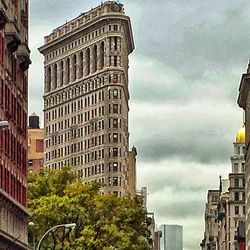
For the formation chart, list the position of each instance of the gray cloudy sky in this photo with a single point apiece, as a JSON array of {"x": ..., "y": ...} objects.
[{"x": 184, "y": 78}]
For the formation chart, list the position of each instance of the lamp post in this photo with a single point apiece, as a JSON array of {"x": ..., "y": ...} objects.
[
  {"x": 31, "y": 235},
  {"x": 70, "y": 225}
]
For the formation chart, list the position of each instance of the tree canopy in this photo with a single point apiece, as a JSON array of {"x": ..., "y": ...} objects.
[{"x": 103, "y": 222}]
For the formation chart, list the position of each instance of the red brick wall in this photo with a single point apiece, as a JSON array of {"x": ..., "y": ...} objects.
[{"x": 13, "y": 142}]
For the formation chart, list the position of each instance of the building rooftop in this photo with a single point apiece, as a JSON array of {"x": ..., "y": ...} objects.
[{"x": 106, "y": 8}]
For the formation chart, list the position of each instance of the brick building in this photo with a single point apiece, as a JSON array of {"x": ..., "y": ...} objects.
[
  {"x": 35, "y": 144},
  {"x": 14, "y": 63},
  {"x": 86, "y": 96}
]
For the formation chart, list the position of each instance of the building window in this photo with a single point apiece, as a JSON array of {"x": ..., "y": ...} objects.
[
  {"x": 67, "y": 70},
  {"x": 243, "y": 182},
  {"x": 115, "y": 61},
  {"x": 243, "y": 167},
  {"x": 81, "y": 64},
  {"x": 236, "y": 168},
  {"x": 115, "y": 152},
  {"x": 55, "y": 76},
  {"x": 30, "y": 163},
  {"x": 236, "y": 210},
  {"x": 95, "y": 58},
  {"x": 102, "y": 55},
  {"x": 115, "y": 108},
  {"x": 236, "y": 196},
  {"x": 49, "y": 79},
  {"x": 243, "y": 196},
  {"x": 61, "y": 73},
  {"x": 236, "y": 183},
  {"x": 115, "y": 181},
  {"x": 115, "y": 78},
  {"x": 115, "y": 42},
  {"x": 115, "y": 123},
  {"x": 115, "y": 137},
  {"x": 115, "y": 94},
  {"x": 87, "y": 60},
  {"x": 115, "y": 166},
  {"x": 74, "y": 66}
]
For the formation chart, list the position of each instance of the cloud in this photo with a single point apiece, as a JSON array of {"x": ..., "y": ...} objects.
[
  {"x": 177, "y": 193},
  {"x": 193, "y": 37},
  {"x": 184, "y": 78}
]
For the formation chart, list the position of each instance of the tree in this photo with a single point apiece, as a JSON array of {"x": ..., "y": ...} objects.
[{"x": 104, "y": 222}]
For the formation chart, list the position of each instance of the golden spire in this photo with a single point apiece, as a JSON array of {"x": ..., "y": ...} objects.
[{"x": 240, "y": 137}]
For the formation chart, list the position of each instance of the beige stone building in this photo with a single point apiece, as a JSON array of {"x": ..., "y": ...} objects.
[
  {"x": 35, "y": 145},
  {"x": 236, "y": 202},
  {"x": 209, "y": 241},
  {"x": 228, "y": 215},
  {"x": 132, "y": 171},
  {"x": 244, "y": 102},
  {"x": 86, "y": 96}
]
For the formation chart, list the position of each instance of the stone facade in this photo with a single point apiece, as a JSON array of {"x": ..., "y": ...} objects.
[
  {"x": 209, "y": 241},
  {"x": 14, "y": 63},
  {"x": 86, "y": 96},
  {"x": 236, "y": 202},
  {"x": 227, "y": 213},
  {"x": 132, "y": 171},
  {"x": 244, "y": 102}
]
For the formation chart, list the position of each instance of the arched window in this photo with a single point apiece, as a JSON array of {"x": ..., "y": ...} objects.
[
  {"x": 102, "y": 55},
  {"x": 87, "y": 61},
  {"x": 81, "y": 64},
  {"x": 48, "y": 79},
  {"x": 95, "y": 58},
  {"x": 55, "y": 76},
  {"x": 67, "y": 70},
  {"x": 74, "y": 68},
  {"x": 61, "y": 73}
]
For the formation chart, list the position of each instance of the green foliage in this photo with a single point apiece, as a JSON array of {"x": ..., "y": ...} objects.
[{"x": 104, "y": 222}]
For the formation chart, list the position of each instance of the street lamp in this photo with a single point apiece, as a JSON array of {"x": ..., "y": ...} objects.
[
  {"x": 31, "y": 235},
  {"x": 4, "y": 124},
  {"x": 70, "y": 225}
]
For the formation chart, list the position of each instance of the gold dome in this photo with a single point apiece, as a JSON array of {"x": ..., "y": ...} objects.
[{"x": 240, "y": 137}]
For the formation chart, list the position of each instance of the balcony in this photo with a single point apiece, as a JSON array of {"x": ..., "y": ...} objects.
[
  {"x": 23, "y": 55},
  {"x": 12, "y": 37},
  {"x": 3, "y": 17}
]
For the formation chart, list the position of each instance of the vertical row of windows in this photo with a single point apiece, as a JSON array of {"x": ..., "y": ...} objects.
[
  {"x": 13, "y": 109},
  {"x": 12, "y": 148},
  {"x": 11, "y": 185},
  {"x": 1, "y": 48}
]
